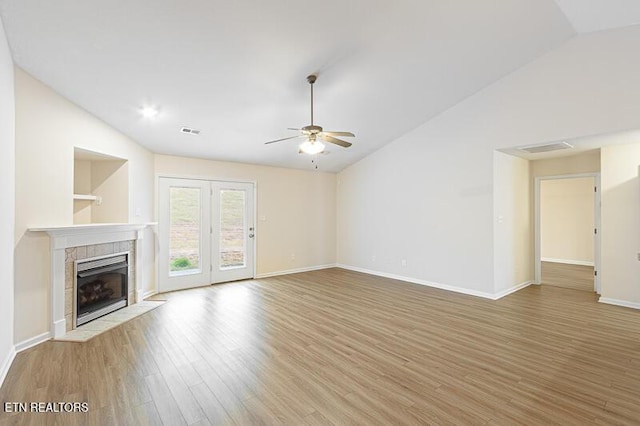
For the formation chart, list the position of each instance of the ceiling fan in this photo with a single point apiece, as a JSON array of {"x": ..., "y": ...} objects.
[{"x": 315, "y": 134}]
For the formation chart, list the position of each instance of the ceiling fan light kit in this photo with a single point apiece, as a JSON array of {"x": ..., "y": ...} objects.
[
  {"x": 311, "y": 147},
  {"x": 312, "y": 133}
]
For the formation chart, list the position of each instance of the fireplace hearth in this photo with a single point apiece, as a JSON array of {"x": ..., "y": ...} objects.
[{"x": 101, "y": 287}]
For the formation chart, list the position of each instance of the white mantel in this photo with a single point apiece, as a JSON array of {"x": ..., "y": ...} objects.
[{"x": 63, "y": 237}]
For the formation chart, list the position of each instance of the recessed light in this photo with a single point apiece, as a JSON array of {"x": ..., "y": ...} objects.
[{"x": 149, "y": 111}]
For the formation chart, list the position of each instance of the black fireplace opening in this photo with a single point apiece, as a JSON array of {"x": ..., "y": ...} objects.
[{"x": 101, "y": 287}]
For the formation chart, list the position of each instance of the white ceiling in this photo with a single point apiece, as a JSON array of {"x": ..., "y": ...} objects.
[
  {"x": 236, "y": 69},
  {"x": 596, "y": 15}
]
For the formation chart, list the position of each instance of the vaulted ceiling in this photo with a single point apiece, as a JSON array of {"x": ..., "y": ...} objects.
[{"x": 236, "y": 69}]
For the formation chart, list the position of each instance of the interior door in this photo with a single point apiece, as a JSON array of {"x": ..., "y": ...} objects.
[{"x": 206, "y": 232}]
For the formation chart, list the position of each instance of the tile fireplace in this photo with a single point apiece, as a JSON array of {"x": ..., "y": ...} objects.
[{"x": 74, "y": 246}]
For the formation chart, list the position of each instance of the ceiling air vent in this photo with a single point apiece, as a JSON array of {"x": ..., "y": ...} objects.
[
  {"x": 190, "y": 131},
  {"x": 536, "y": 149}
]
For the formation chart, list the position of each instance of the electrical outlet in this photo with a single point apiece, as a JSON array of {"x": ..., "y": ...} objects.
[
  {"x": 293, "y": 257},
  {"x": 373, "y": 258},
  {"x": 404, "y": 262}
]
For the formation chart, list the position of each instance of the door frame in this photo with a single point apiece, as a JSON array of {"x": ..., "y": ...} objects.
[
  {"x": 597, "y": 202},
  {"x": 207, "y": 178}
]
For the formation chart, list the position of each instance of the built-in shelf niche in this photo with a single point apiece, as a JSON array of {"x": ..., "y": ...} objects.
[{"x": 100, "y": 188}]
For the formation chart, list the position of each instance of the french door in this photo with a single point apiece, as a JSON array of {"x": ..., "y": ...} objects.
[{"x": 206, "y": 232}]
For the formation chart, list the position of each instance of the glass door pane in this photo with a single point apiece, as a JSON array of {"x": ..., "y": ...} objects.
[
  {"x": 232, "y": 229},
  {"x": 232, "y": 243},
  {"x": 184, "y": 233},
  {"x": 185, "y": 229}
]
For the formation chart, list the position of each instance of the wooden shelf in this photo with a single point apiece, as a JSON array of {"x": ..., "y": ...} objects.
[{"x": 85, "y": 197}]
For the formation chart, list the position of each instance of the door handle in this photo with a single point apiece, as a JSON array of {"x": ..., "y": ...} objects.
[{"x": 251, "y": 235}]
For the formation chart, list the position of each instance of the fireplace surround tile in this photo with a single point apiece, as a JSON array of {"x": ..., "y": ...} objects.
[
  {"x": 104, "y": 249},
  {"x": 68, "y": 275},
  {"x": 68, "y": 300},
  {"x": 69, "y": 322},
  {"x": 70, "y": 254}
]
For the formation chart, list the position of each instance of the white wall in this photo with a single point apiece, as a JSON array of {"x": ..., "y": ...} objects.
[
  {"x": 428, "y": 196},
  {"x": 512, "y": 236},
  {"x": 620, "y": 271},
  {"x": 567, "y": 220},
  {"x": 7, "y": 187},
  {"x": 299, "y": 207},
  {"x": 48, "y": 127}
]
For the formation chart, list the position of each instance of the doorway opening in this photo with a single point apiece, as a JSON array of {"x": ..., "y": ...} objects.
[{"x": 567, "y": 225}]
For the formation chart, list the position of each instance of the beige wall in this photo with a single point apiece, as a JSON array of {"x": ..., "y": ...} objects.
[
  {"x": 48, "y": 127},
  {"x": 512, "y": 226},
  {"x": 7, "y": 187},
  {"x": 567, "y": 220},
  {"x": 620, "y": 269},
  {"x": 110, "y": 182},
  {"x": 299, "y": 208},
  {"x": 82, "y": 177},
  {"x": 82, "y": 186},
  {"x": 586, "y": 162}
]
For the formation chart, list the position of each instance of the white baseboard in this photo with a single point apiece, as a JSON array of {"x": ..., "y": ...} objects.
[
  {"x": 421, "y": 282},
  {"x": 6, "y": 365},
  {"x": 568, "y": 261},
  {"x": 617, "y": 302},
  {"x": 29, "y": 343},
  {"x": 508, "y": 291},
  {"x": 296, "y": 271},
  {"x": 149, "y": 294}
]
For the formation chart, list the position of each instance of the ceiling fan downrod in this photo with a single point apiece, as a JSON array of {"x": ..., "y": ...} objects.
[{"x": 312, "y": 79}]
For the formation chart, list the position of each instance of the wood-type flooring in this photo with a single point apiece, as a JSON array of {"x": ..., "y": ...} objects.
[
  {"x": 576, "y": 277},
  {"x": 341, "y": 347}
]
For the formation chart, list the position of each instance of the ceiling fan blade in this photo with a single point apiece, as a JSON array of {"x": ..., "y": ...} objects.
[
  {"x": 283, "y": 139},
  {"x": 349, "y": 134},
  {"x": 333, "y": 140},
  {"x": 291, "y": 128}
]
